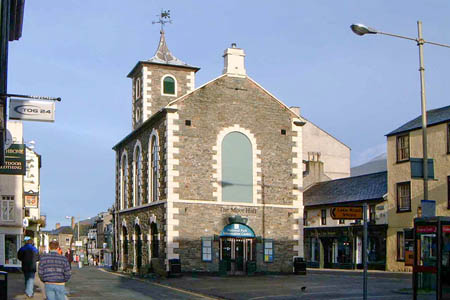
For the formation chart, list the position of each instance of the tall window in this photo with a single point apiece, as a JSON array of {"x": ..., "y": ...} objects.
[
  {"x": 403, "y": 196},
  {"x": 8, "y": 208},
  {"x": 237, "y": 168},
  {"x": 448, "y": 192},
  {"x": 403, "y": 147},
  {"x": 155, "y": 240},
  {"x": 372, "y": 213},
  {"x": 400, "y": 246},
  {"x": 448, "y": 138},
  {"x": 169, "y": 85},
  {"x": 323, "y": 217},
  {"x": 138, "y": 176},
  {"x": 154, "y": 169},
  {"x": 305, "y": 218},
  {"x": 137, "y": 88},
  {"x": 207, "y": 248},
  {"x": 124, "y": 180},
  {"x": 268, "y": 250}
]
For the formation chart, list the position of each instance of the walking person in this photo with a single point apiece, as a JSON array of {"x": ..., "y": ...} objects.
[
  {"x": 54, "y": 271},
  {"x": 28, "y": 255},
  {"x": 69, "y": 257}
]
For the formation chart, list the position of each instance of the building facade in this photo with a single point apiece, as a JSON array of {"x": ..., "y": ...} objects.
[
  {"x": 337, "y": 244},
  {"x": 11, "y": 197},
  {"x": 405, "y": 184},
  {"x": 211, "y": 176}
]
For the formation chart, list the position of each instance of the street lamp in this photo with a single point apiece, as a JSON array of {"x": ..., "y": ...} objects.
[{"x": 361, "y": 29}]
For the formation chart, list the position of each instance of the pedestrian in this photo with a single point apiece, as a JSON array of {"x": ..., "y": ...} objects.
[
  {"x": 54, "y": 271},
  {"x": 69, "y": 257},
  {"x": 59, "y": 250},
  {"x": 28, "y": 255}
]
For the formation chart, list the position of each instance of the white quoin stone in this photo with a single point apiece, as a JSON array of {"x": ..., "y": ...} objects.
[{"x": 234, "y": 61}]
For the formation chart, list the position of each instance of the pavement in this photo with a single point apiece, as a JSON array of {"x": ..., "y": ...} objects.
[
  {"x": 16, "y": 287},
  {"x": 91, "y": 283}
]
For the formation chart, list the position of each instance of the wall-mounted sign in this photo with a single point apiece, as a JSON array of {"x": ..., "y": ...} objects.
[
  {"x": 426, "y": 229},
  {"x": 237, "y": 230},
  {"x": 346, "y": 213},
  {"x": 14, "y": 160},
  {"x": 446, "y": 229},
  {"x": 32, "y": 110},
  {"x": 31, "y": 201}
]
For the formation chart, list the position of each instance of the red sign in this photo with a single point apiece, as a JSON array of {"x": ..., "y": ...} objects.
[
  {"x": 426, "y": 229},
  {"x": 446, "y": 229}
]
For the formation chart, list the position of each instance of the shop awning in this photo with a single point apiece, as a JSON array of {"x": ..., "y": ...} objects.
[{"x": 237, "y": 230}]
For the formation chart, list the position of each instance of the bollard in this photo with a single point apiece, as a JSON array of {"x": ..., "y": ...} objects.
[{"x": 3, "y": 285}]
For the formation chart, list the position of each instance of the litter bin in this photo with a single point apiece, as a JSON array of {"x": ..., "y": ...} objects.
[
  {"x": 174, "y": 267},
  {"x": 299, "y": 265},
  {"x": 3, "y": 285},
  {"x": 251, "y": 267}
]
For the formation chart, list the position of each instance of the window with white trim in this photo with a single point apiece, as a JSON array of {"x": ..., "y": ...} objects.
[
  {"x": 8, "y": 208},
  {"x": 138, "y": 176},
  {"x": 207, "y": 248},
  {"x": 137, "y": 88},
  {"x": 154, "y": 169},
  {"x": 124, "y": 190}
]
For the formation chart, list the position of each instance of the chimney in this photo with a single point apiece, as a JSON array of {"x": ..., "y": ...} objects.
[
  {"x": 57, "y": 225},
  {"x": 73, "y": 222},
  {"x": 234, "y": 61},
  {"x": 295, "y": 109}
]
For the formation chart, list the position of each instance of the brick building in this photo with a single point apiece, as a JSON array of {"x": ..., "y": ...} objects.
[{"x": 213, "y": 175}]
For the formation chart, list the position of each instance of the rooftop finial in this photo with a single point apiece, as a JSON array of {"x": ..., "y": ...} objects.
[{"x": 164, "y": 18}]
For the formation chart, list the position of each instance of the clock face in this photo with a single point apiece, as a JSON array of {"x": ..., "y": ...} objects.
[{"x": 9, "y": 139}]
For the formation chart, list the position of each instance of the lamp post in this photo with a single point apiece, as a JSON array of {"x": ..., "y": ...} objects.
[{"x": 361, "y": 29}]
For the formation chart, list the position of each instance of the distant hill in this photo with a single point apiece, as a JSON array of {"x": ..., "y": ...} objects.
[{"x": 377, "y": 164}]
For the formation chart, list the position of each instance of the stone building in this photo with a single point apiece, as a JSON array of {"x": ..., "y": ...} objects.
[
  {"x": 405, "y": 181},
  {"x": 211, "y": 176}
]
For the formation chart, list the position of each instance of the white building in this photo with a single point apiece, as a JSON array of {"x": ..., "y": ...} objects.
[{"x": 11, "y": 197}]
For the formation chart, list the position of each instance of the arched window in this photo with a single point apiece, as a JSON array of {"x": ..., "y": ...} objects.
[
  {"x": 138, "y": 176},
  {"x": 137, "y": 88},
  {"x": 169, "y": 86},
  {"x": 153, "y": 172},
  {"x": 124, "y": 182},
  {"x": 237, "y": 168},
  {"x": 155, "y": 240}
]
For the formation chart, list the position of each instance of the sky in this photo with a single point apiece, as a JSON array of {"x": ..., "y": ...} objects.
[{"x": 356, "y": 88}]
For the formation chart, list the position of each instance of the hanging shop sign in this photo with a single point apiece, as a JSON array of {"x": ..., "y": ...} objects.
[
  {"x": 446, "y": 229},
  {"x": 14, "y": 160},
  {"x": 43, "y": 111},
  {"x": 237, "y": 230},
  {"x": 347, "y": 213},
  {"x": 31, "y": 201}
]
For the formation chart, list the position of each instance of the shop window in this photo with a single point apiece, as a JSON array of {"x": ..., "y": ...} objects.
[
  {"x": 372, "y": 213},
  {"x": 169, "y": 85},
  {"x": 207, "y": 249},
  {"x": 154, "y": 169},
  {"x": 237, "y": 168},
  {"x": 403, "y": 196},
  {"x": 403, "y": 148},
  {"x": 315, "y": 250},
  {"x": 323, "y": 219},
  {"x": 400, "y": 246},
  {"x": 268, "y": 250},
  {"x": 8, "y": 208},
  {"x": 11, "y": 248}
]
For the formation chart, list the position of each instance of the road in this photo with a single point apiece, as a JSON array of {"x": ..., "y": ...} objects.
[{"x": 90, "y": 283}]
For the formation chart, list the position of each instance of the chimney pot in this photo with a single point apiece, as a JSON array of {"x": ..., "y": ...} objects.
[
  {"x": 57, "y": 225},
  {"x": 233, "y": 45}
]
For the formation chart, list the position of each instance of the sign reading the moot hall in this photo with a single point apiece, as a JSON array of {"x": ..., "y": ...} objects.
[
  {"x": 347, "y": 213},
  {"x": 43, "y": 111},
  {"x": 14, "y": 160}
]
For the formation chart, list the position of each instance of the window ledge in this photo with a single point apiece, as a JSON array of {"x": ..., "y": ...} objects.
[
  {"x": 401, "y": 260},
  {"x": 402, "y": 161},
  {"x": 403, "y": 211}
]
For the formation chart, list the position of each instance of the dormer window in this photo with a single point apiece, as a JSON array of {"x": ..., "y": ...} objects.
[{"x": 169, "y": 85}]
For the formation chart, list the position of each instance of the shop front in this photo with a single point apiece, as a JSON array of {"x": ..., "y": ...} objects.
[
  {"x": 341, "y": 247},
  {"x": 237, "y": 250}
]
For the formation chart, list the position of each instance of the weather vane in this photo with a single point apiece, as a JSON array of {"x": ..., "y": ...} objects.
[{"x": 164, "y": 18}]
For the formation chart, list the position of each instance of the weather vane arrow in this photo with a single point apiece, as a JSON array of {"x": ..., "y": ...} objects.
[{"x": 164, "y": 18}]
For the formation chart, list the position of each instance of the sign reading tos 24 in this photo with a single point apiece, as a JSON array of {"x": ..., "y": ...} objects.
[
  {"x": 347, "y": 212},
  {"x": 32, "y": 110}
]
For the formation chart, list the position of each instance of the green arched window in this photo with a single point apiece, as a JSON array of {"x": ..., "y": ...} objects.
[
  {"x": 237, "y": 168},
  {"x": 169, "y": 85}
]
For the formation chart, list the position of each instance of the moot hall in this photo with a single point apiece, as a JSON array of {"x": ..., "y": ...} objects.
[{"x": 214, "y": 175}]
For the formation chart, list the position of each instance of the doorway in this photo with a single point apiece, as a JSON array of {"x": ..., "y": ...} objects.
[{"x": 235, "y": 253}]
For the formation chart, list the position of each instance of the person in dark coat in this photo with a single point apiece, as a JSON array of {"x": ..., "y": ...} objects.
[{"x": 28, "y": 255}]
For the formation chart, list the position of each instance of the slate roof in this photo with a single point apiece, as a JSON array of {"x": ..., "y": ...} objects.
[
  {"x": 350, "y": 189},
  {"x": 434, "y": 117},
  {"x": 61, "y": 230}
]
